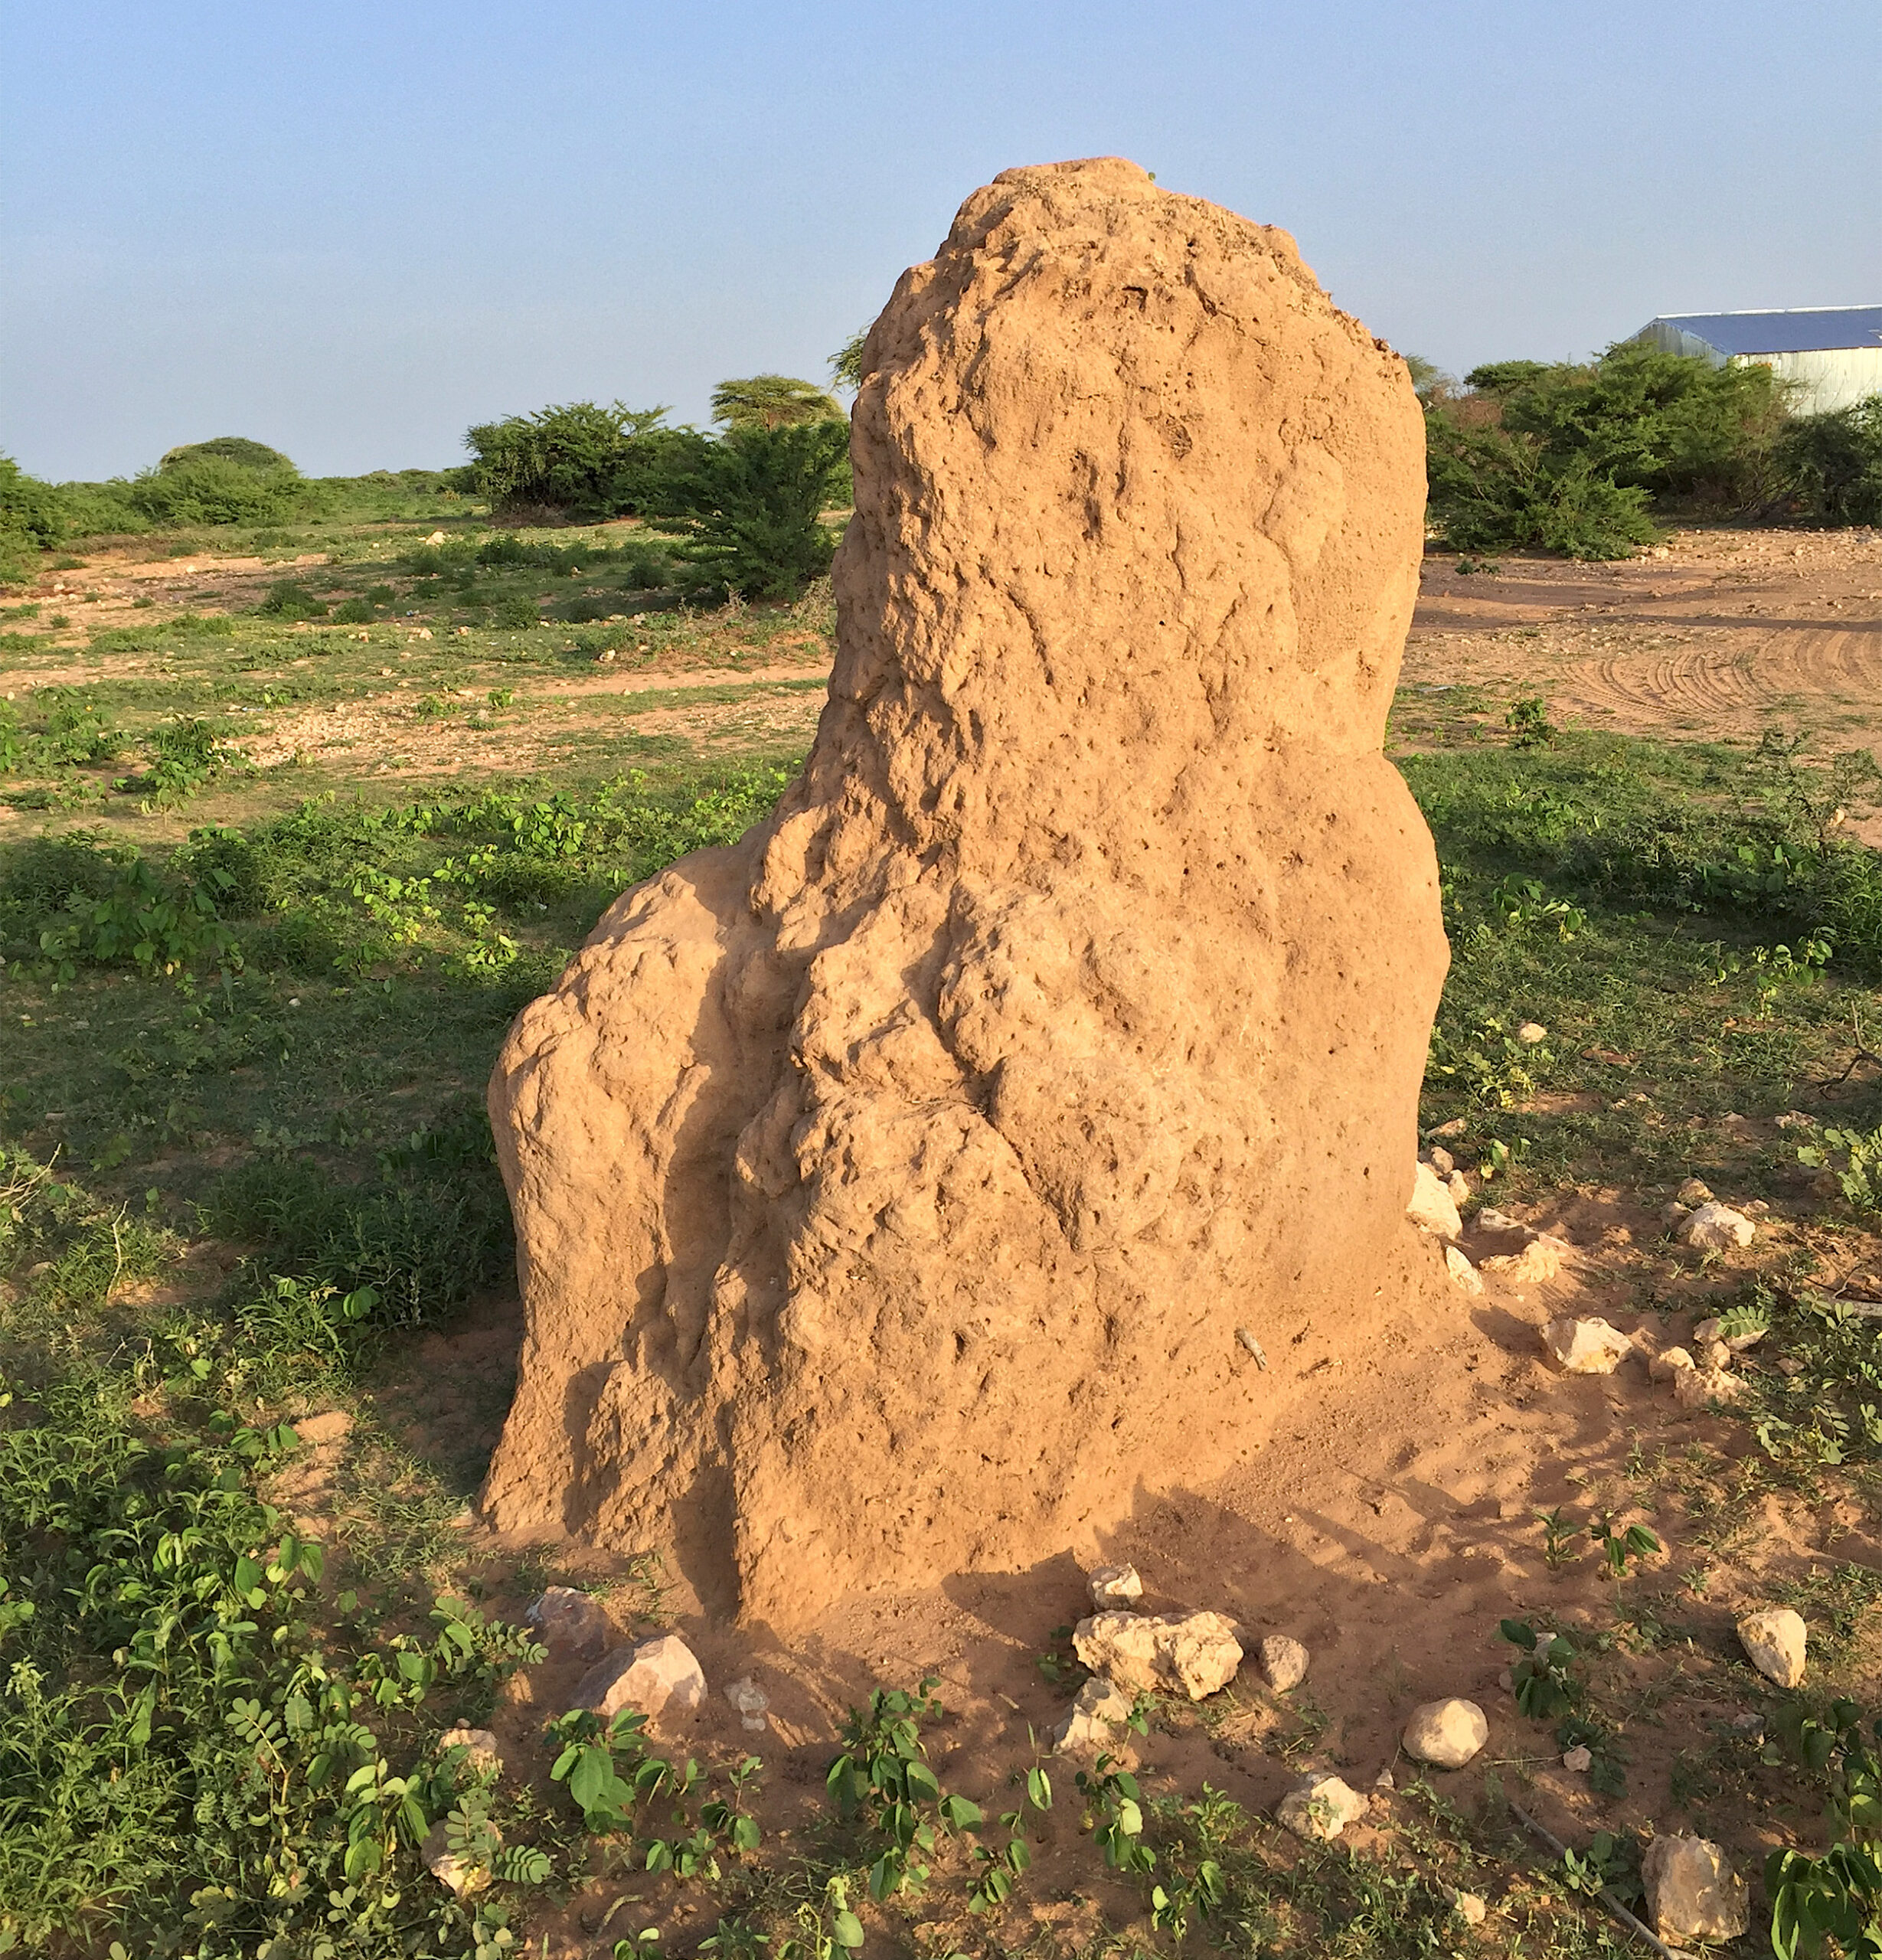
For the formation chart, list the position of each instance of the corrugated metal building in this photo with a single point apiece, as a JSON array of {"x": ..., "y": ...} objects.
[{"x": 1832, "y": 355}]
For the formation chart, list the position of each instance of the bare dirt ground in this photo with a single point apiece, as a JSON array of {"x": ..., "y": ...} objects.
[
  {"x": 1388, "y": 1520},
  {"x": 1726, "y": 632}
]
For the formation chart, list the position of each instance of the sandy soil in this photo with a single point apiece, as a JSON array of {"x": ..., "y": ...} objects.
[
  {"x": 1388, "y": 1521},
  {"x": 1729, "y": 630}
]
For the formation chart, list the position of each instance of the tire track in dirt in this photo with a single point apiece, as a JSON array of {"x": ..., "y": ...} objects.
[{"x": 1812, "y": 673}]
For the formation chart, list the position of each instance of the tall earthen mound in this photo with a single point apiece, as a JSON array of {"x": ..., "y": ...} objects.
[{"x": 890, "y": 1187}]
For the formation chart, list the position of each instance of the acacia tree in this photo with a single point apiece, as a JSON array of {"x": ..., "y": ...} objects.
[{"x": 772, "y": 401}]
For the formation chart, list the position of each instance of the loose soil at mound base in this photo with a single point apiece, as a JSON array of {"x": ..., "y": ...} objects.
[{"x": 1389, "y": 1522}]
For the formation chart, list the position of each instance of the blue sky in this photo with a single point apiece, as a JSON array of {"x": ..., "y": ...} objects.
[{"x": 351, "y": 230}]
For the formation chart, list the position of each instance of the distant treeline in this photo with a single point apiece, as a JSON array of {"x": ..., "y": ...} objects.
[
  {"x": 746, "y": 498},
  {"x": 1584, "y": 458}
]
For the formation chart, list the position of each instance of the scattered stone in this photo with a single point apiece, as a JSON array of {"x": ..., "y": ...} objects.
[
  {"x": 1538, "y": 1261},
  {"x": 1100, "y": 1710},
  {"x": 1712, "y": 1354},
  {"x": 1385, "y": 1780},
  {"x": 1774, "y": 1642},
  {"x": 1694, "y": 1388},
  {"x": 570, "y": 1624},
  {"x": 1458, "y": 1186},
  {"x": 1692, "y": 1891},
  {"x": 1441, "y": 1161},
  {"x": 1462, "y": 1272},
  {"x": 457, "y": 1875},
  {"x": 1114, "y": 1586},
  {"x": 1283, "y": 1662},
  {"x": 1430, "y": 1207},
  {"x": 1580, "y": 1759},
  {"x": 1716, "y": 1228},
  {"x": 481, "y": 1756},
  {"x": 1693, "y": 1194},
  {"x": 1587, "y": 1346},
  {"x": 1532, "y": 1034},
  {"x": 1455, "y": 1127},
  {"x": 1670, "y": 1362},
  {"x": 1470, "y": 1908},
  {"x": 1674, "y": 1215},
  {"x": 1446, "y": 1734},
  {"x": 1321, "y": 1808},
  {"x": 751, "y": 1701},
  {"x": 653, "y": 1676},
  {"x": 1196, "y": 1652},
  {"x": 1491, "y": 1219},
  {"x": 436, "y": 537},
  {"x": 1795, "y": 1119},
  {"x": 1714, "y": 1330}
]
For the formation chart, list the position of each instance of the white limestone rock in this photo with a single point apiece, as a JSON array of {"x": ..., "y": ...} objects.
[
  {"x": 1698, "y": 1388},
  {"x": 1446, "y": 1734},
  {"x": 1430, "y": 1207},
  {"x": 656, "y": 1677},
  {"x": 1114, "y": 1588},
  {"x": 1774, "y": 1642},
  {"x": 1588, "y": 1346},
  {"x": 1716, "y": 1228},
  {"x": 1097, "y": 1716},
  {"x": 482, "y": 1756},
  {"x": 455, "y": 1874},
  {"x": 1692, "y": 1891},
  {"x": 1539, "y": 1261},
  {"x": 1319, "y": 1809},
  {"x": 1464, "y": 1275},
  {"x": 1283, "y": 1662},
  {"x": 751, "y": 1701},
  {"x": 1197, "y": 1653}
]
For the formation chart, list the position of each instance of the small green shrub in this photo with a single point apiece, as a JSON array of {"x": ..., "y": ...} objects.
[
  {"x": 355, "y": 612},
  {"x": 289, "y": 599},
  {"x": 580, "y": 459},
  {"x": 1832, "y": 463},
  {"x": 31, "y": 512},
  {"x": 748, "y": 505},
  {"x": 427, "y": 1229},
  {"x": 1854, "y": 1159},
  {"x": 186, "y": 755},
  {"x": 237, "y": 449}
]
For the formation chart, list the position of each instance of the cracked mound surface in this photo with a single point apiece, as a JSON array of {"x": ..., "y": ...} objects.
[{"x": 889, "y": 1186}]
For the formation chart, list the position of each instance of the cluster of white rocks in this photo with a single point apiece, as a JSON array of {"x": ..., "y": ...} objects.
[
  {"x": 1506, "y": 1247},
  {"x": 1700, "y": 1375},
  {"x": 1692, "y": 1891}
]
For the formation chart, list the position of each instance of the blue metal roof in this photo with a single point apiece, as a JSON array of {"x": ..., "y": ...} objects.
[{"x": 1803, "y": 330}]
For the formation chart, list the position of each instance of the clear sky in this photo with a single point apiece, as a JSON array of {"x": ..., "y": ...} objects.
[{"x": 352, "y": 229}]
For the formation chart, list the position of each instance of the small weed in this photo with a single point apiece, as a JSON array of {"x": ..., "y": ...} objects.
[
  {"x": 1546, "y": 1682},
  {"x": 1528, "y": 722}
]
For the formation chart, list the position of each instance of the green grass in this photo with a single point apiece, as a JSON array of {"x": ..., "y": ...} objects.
[{"x": 247, "y": 1020}]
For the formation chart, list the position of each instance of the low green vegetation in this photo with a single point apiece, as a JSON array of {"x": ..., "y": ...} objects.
[
  {"x": 250, "y": 1007},
  {"x": 1582, "y": 458},
  {"x": 219, "y": 1731}
]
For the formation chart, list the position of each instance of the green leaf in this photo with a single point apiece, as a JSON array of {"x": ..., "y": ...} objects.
[{"x": 847, "y": 1930}]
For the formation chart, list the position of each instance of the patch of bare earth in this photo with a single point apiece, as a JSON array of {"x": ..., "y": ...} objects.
[{"x": 1728, "y": 632}]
